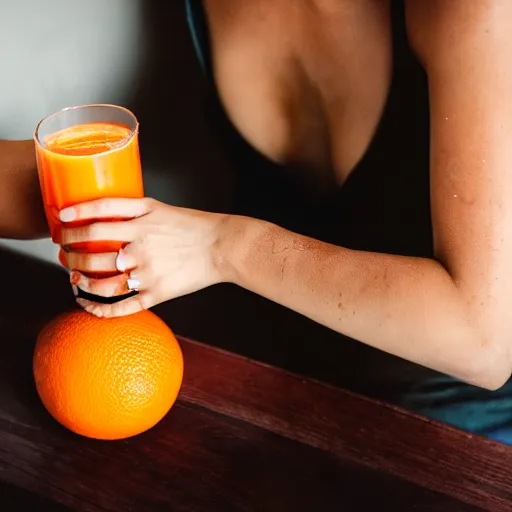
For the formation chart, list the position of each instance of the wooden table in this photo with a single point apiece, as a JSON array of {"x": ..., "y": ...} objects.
[{"x": 242, "y": 437}]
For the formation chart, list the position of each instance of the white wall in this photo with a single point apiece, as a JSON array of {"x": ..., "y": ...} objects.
[{"x": 60, "y": 53}]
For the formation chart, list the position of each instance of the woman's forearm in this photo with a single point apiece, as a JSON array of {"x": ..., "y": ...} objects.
[
  {"x": 21, "y": 207},
  {"x": 406, "y": 306}
]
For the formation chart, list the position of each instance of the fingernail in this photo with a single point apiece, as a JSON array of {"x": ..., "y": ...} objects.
[
  {"x": 74, "y": 287},
  {"x": 67, "y": 215},
  {"x": 74, "y": 277},
  {"x": 90, "y": 308},
  {"x": 121, "y": 261},
  {"x": 94, "y": 310}
]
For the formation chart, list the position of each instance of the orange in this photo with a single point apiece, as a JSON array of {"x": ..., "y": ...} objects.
[{"x": 107, "y": 378}]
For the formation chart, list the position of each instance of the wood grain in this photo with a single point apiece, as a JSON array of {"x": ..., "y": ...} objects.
[
  {"x": 13, "y": 498},
  {"x": 388, "y": 439},
  {"x": 243, "y": 437},
  {"x": 198, "y": 460}
]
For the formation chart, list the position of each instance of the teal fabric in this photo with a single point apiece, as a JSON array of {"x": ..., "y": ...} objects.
[
  {"x": 483, "y": 412},
  {"x": 195, "y": 20},
  {"x": 467, "y": 407}
]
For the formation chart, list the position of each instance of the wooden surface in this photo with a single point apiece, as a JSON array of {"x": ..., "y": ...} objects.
[{"x": 243, "y": 437}]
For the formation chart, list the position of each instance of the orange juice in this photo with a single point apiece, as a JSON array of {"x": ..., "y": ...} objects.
[
  {"x": 85, "y": 153},
  {"x": 85, "y": 162}
]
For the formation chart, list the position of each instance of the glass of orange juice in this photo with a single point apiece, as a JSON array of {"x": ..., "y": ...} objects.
[{"x": 84, "y": 153}]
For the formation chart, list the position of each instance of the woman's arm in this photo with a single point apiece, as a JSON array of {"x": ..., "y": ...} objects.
[
  {"x": 452, "y": 314},
  {"x": 21, "y": 208},
  {"x": 409, "y": 307}
]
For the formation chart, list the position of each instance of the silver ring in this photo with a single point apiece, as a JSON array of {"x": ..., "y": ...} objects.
[{"x": 132, "y": 283}]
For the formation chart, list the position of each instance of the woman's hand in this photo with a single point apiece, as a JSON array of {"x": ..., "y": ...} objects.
[{"x": 167, "y": 252}]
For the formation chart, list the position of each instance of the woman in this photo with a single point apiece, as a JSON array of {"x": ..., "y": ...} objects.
[{"x": 305, "y": 85}]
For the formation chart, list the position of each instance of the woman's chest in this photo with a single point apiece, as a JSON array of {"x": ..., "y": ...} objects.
[{"x": 305, "y": 84}]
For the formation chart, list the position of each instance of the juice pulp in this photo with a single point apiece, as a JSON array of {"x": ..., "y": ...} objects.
[{"x": 85, "y": 162}]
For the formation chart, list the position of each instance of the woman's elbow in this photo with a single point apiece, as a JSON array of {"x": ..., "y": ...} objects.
[{"x": 490, "y": 367}]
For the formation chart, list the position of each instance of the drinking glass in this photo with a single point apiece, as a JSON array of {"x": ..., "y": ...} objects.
[{"x": 84, "y": 153}]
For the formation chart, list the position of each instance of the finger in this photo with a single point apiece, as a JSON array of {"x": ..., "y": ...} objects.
[
  {"x": 110, "y": 207},
  {"x": 106, "y": 287},
  {"x": 99, "y": 232},
  {"x": 125, "y": 307},
  {"x": 87, "y": 262}
]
